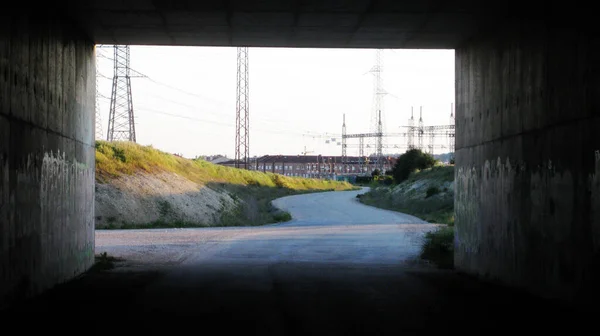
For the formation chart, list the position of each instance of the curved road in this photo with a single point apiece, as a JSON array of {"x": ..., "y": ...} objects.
[
  {"x": 339, "y": 268},
  {"x": 338, "y": 208}
]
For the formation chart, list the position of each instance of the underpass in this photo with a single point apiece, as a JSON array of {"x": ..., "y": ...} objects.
[
  {"x": 527, "y": 182},
  {"x": 339, "y": 277}
]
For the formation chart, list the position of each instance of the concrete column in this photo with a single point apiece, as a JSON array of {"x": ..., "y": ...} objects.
[
  {"x": 47, "y": 90},
  {"x": 528, "y": 158}
]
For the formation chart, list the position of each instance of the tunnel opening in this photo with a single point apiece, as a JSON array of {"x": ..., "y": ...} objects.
[{"x": 526, "y": 158}]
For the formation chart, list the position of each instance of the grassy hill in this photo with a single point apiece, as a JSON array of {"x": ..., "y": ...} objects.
[
  {"x": 429, "y": 195},
  {"x": 246, "y": 195}
]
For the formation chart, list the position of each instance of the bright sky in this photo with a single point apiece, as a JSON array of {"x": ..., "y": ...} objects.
[{"x": 297, "y": 96}]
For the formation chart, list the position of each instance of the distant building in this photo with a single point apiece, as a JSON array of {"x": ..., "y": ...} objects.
[
  {"x": 315, "y": 166},
  {"x": 219, "y": 160}
]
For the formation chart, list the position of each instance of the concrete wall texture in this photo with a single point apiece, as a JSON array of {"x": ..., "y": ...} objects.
[
  {"x": 528, "y": 163},
  {"x": 47, "y": 88}
]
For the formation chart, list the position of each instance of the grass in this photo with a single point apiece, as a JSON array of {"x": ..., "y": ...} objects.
[
  {"x": 158, "y": 224},
  {"x": 439, "y": 210},
  {"x": 255, "y": 207},
  {"x": 253, "y": 190},
  {"x": 283, "y": 217},
  {"x": 430, "y": 209},
  {"x": 438, "y": 173},
  {"x": 114, "y": 159},
  {"x": 438, "y": 247}
]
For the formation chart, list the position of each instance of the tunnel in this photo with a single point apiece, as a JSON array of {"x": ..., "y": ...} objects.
[{"x": 527, "y": 148}]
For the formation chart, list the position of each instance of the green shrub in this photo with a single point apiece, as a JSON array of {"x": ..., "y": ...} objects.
[
  {"x": 410, "y": 162},
  {"x": 439, "y": 247},
  {"x": 431, "y": 191},
  {"x": 282, "y": 216}
]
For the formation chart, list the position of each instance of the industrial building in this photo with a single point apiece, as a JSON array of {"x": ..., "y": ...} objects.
[{"x": 315, "y": 166}]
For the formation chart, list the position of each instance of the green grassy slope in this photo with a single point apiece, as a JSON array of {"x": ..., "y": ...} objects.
[
  {"x": 426, "y": 194},
  {"x": 252, "y": 190}
]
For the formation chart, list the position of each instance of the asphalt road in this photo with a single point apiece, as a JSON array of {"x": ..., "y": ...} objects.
[
  {"x": 338, "y": 208},
  {"x": 339, "y": 268}
]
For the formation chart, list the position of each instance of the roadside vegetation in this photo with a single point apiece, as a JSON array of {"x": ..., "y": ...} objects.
[
  {"x": 252, "y": 191},
  {"x": 424, "y": 188}
]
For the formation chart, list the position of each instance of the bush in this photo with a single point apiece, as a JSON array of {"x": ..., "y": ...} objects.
[
  {"x": 383, "y": 180},
  {"x": 411, "y": 161},
  {"x": 439, "y": 247},
  {"x": 431, "y": 191},
  {"x": 376, "y": 172},
  {"x": 282, "y": 217},
  {"x": 363, "y": 179}
]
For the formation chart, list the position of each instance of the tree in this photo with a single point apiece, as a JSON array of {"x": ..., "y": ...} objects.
[
  {"x": 409, "y": 162},
  {"x": 375, "y": 172}
]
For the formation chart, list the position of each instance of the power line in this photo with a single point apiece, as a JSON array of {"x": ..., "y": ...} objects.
[
  {"x": 151, "y": 110},
  {"x": 216, "y": 101}
]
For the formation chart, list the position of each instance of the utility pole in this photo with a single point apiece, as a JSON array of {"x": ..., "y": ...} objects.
[
  {"x": 242, "y": 126},
  {"x": 344, "y": 153},
  {"x": 121, "y": 123}
]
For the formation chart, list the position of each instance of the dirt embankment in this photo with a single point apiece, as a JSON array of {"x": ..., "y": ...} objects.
[
  {"x": 163, "y": 199},
  {"x": 142, "y": 187}
]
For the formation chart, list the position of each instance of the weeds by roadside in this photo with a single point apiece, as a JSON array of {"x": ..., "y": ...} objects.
[
  {"x": 424, "y": 194},
  {"x": 103, "y": 262},
  {"x": 438, "y": 247}
]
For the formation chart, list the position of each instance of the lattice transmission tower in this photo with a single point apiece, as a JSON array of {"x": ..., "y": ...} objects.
[
  {"x": 242, "y": 126},
  {"x": 344, "y": 147},
  {"x": 377, "y": 109},
  {"x": 411, "y": 130},
  {"x": 420, "y": 130},
  {"x": 451, "y": 137},
  {"x": 121, "y": 122},
  {"x": 98, "y": 120}
]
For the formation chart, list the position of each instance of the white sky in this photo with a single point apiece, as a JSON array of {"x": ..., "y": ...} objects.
[{"x": 297, "y": 96}]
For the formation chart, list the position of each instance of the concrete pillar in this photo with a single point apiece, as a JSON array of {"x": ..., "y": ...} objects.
[
  {"x": 47, "y": 93},
  {"x": 528, "y": 158}
]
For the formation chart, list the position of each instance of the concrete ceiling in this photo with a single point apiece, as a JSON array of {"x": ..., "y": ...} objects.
[{"x": 286, "y": 23}]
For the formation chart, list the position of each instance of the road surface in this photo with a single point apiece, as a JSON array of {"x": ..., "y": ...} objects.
[
  {"x": 338, "y": 208},
  {"x": 339, "y": 268}
]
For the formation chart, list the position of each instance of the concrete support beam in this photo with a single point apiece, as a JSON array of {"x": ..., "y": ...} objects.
[
  {"x": 47, "y": 71},
  {"x": 528, "y": 158}
]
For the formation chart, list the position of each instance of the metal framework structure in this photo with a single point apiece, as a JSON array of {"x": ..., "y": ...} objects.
[
  {"x": 411, "y": 135},
  {"x": 344, "y": 152},
  {"x": 121, "y": 122},
  {"x": 378, "y": 94},
  {"x": 420, "y": 129},
  {"x": 98, "y": 120},
  {"x": 451, "y": 140},
  {"x": 361, "y": 151},
  {"x": 242, "y": 126}
]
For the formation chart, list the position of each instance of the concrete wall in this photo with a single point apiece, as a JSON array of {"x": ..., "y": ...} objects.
[
  {"x": 528, "y": 161},
  {"x": 47, "y": 88}
]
